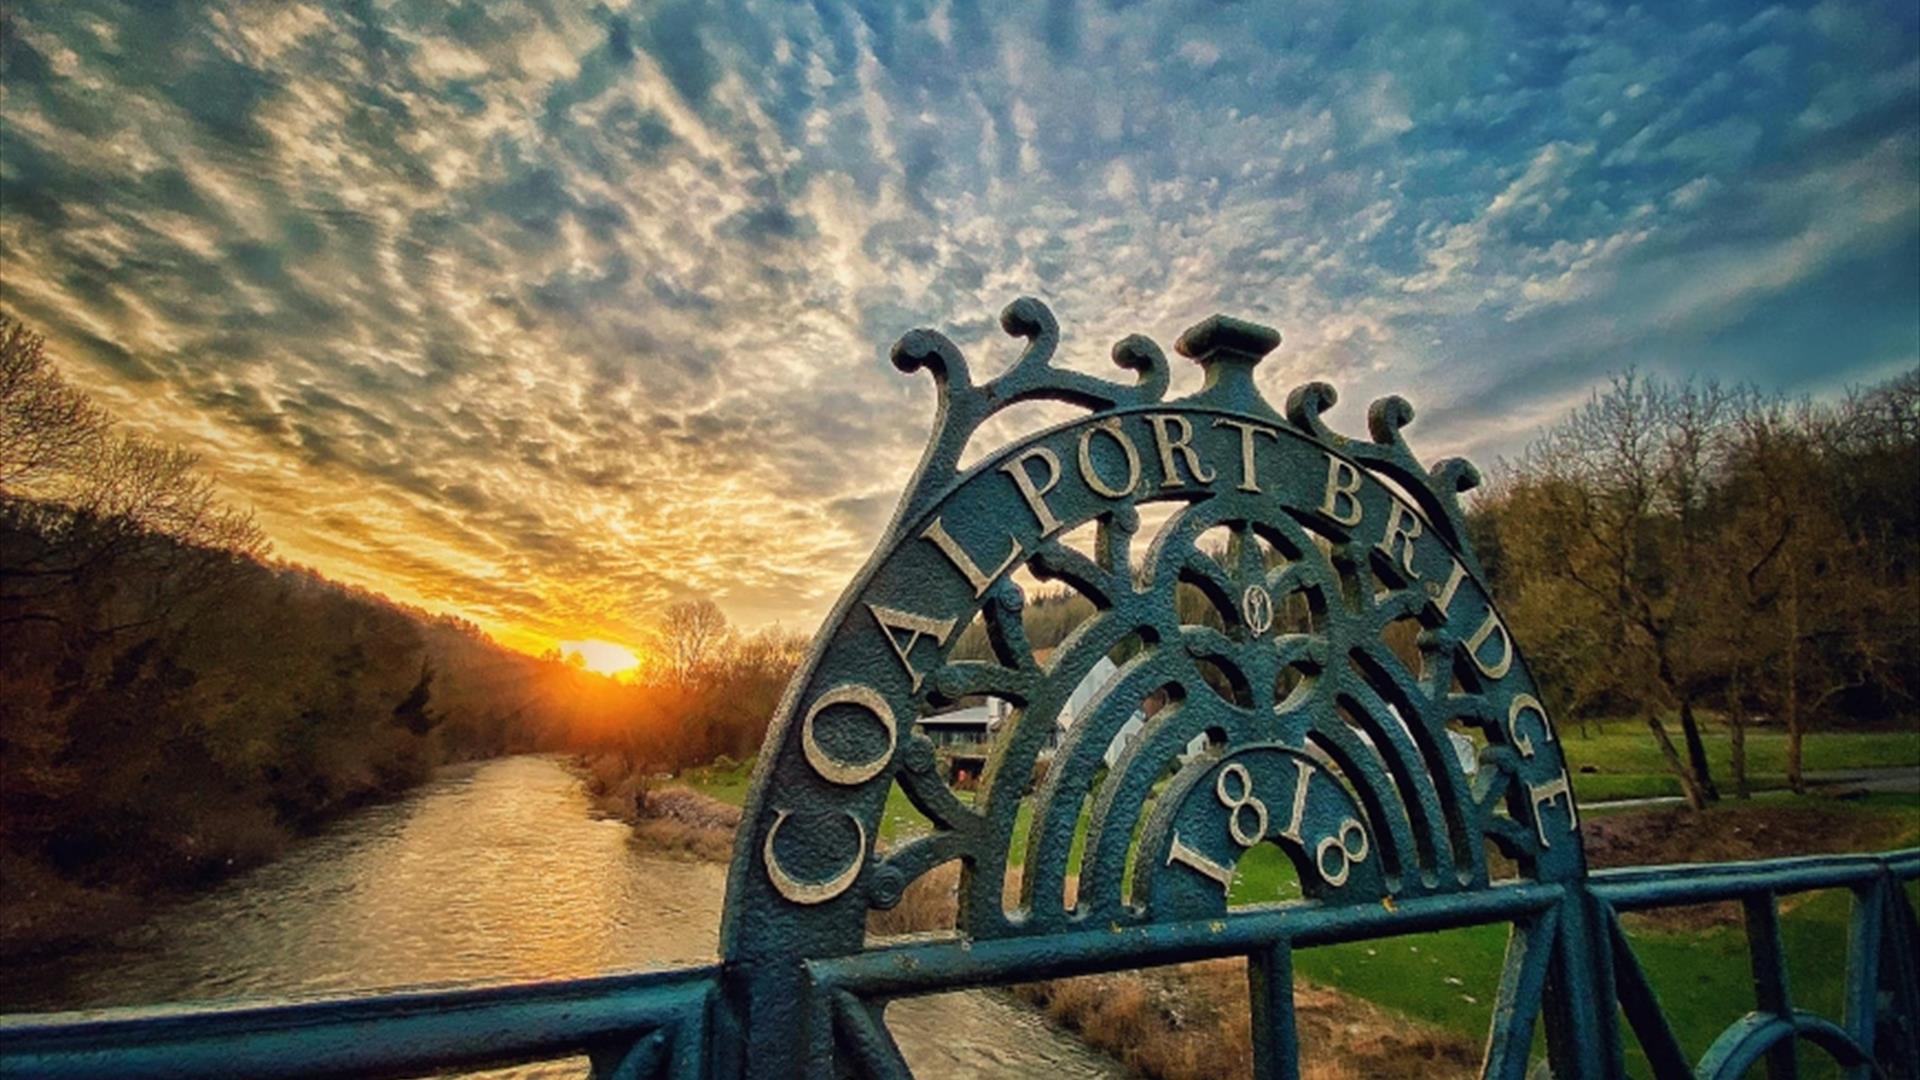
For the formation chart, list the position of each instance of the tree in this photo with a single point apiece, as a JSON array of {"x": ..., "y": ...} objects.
[
  {"x": 692, "y": 632},
  {"x": 1673, "y": 546},
  {"x": 132, "y": 525},
  {"x": 46, "y": 425},
  {"x": 1618, "y": 495}
]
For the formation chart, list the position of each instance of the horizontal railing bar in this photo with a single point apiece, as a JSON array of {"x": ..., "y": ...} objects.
[
  {"x": 930, "y": 966},
  {"x": 413, "y": 1032},
  {"x": 400, "y": 1034},
  {"x": 1904, "y": 864},
  {"x": 1640, "y": 887}
]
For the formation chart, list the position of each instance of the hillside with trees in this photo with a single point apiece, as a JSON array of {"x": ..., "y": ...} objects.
[
  {"x": 175, "y": 704},
  {"x": 1672, "y": 549}
]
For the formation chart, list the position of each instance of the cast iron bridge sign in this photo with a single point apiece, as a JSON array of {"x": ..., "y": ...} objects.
[{"x": 1315, "y": 552}]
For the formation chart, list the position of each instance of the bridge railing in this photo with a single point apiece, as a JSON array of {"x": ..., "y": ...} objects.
[
  {"x": 658, "y": 1023},
  {"x": 645, "y": 1023},
  {"x": 1882, "y": 944}
]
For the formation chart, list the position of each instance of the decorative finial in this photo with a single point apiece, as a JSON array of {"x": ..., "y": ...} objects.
[
  {"x": 1227, "y": 349},
  {"x": 1223, "y": 337}
]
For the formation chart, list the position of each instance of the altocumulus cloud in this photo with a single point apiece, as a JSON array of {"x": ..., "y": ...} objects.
[{"x": 547, "y": 312}]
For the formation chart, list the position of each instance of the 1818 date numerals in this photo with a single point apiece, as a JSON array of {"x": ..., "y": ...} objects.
[{"x": 1334, "y": 854}]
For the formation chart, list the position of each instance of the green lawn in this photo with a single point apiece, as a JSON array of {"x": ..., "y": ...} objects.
[
  {"x": 1702, "y": 977},
  {"x": 1628, "y": 764},
  {"x": 728, "y": 783}
]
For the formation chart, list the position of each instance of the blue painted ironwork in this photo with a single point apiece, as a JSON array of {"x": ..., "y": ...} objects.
[{"x": 1348, "y": 635}]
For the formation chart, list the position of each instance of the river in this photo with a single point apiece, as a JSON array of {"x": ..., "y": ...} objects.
[{"x": 494, "y": 872}]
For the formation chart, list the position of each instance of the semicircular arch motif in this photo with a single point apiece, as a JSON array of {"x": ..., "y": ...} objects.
[{"x": 1288, "y": 655}]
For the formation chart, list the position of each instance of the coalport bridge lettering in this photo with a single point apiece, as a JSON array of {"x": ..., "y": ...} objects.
[
  {"x": 851, "y": 733},
  {"x": 1320, "y": 736}
]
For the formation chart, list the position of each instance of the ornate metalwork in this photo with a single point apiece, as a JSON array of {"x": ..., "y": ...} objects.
[{"x": 1313, "y": 703}]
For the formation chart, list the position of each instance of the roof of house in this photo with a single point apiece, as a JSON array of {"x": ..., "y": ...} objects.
[
  {"x": 971, "y": 716},
  {"x": 980, "y": 716}
]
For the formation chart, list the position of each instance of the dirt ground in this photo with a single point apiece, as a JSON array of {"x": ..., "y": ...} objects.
[
  {"x": 1191, "y": 1021},
  {"x": 1734, "y": 832}
]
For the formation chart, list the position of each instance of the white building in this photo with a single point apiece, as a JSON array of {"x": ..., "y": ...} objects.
[{"x": 977, "y": 724}]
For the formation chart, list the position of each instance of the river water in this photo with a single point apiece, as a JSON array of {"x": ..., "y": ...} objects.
[{"x": 496, "y": 872}]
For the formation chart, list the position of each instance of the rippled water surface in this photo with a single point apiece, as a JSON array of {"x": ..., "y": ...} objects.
[{"x": 491, "y": 873}]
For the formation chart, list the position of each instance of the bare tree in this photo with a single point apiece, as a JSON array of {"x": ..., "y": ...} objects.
[
  {"x": 134, "y": 527},
  {"x": 47, "y": 427},
  {"x": 1673, "y": 545},
  {"x": 59, "y": 450},
  {"x": 1618, "y": 510},
  {"x": 692, "y": 635}
]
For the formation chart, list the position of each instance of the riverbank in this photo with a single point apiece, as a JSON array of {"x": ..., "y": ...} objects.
[
  {"x": 667, "y": 819},
  {"x": 44, "y": 913},
  {"x": 499, "y": 873}
]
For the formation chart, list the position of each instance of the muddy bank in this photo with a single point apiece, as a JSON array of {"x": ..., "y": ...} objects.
[
  {"x": 1738, "y": 832},
  {"x": 666, "y": 818}
]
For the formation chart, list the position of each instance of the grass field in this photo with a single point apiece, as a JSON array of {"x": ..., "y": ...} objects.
[
  {"x": 1701, "y": 974},
  {"x": 1622, "y": 754},
  {"x": 1628, "y": 764}
]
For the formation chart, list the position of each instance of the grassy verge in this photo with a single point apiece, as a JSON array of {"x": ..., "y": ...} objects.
[{"x": 674, "y": 820}]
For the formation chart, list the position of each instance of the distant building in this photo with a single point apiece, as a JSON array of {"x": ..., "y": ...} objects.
[
  {"x": 971, "y": 724},
  {"x": 972, "y": 727},
  {"x": 967, "y": 731}
]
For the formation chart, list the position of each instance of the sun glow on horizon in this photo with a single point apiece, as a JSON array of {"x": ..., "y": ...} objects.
[{"x": 603, "y": 657}]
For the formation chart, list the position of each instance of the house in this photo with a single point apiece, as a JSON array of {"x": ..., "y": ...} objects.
[
  {"x": 968, "y": 730},
  {"x": 960, "y": 727}
]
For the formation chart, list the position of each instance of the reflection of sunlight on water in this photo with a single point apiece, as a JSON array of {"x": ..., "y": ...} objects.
[
  {"x": 492, "y": 873},
  {"x": 550, "y": 894}
]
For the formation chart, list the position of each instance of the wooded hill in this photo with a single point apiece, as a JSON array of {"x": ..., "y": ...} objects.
[
  {"x": 1671, "y": 548},
  {"x": 174, "y": 703}
]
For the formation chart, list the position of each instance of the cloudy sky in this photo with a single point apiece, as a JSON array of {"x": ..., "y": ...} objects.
[{"x": 543, "y": 312}]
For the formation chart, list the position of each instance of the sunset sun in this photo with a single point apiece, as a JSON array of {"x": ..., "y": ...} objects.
[{"x": 603, "y": 657}]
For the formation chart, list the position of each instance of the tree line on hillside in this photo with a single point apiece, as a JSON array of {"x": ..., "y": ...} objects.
[
  {"x": 1672, "y": 548},
  {"x": 175, "y": 703}
]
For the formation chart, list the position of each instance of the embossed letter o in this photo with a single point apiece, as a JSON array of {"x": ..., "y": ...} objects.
[
  {"x": 1113, "y": 430},
  {"x": 836, "y": 771},
  {"x": 811, "y": 892}
]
